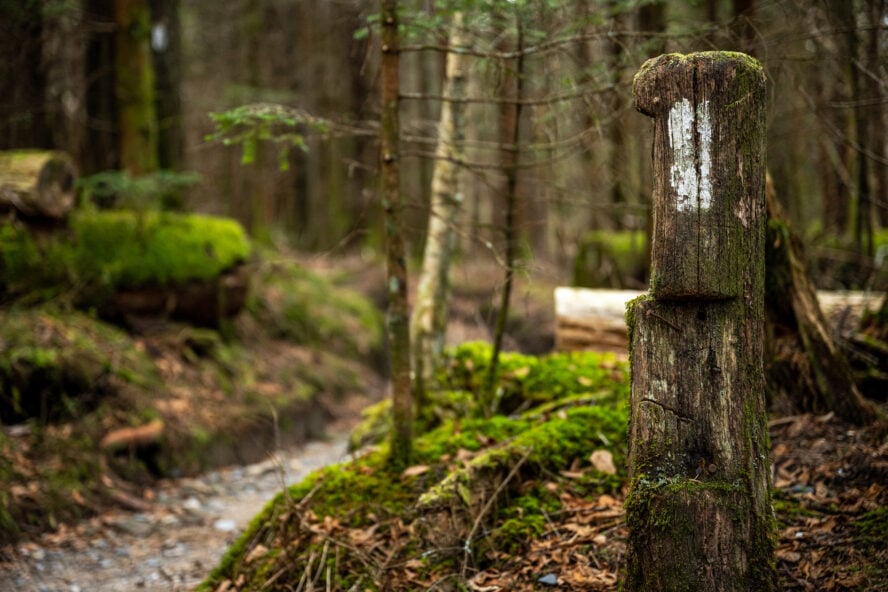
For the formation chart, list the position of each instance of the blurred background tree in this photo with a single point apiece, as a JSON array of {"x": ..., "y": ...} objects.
[{"x": 66, "y": 83}]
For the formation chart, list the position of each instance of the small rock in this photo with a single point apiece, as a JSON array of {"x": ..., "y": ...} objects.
[
  {"x": 194, "y": 487},
  {"x": 174, "y": 549},
  {"x": 192, "y": 504},
  {"x": 225, "y": 525},
  {"x": 603, "y": 460},
  {"x": 136, "y": 525},
  {"x": 170, "y": 520},
  {"x": 99, "y": 543},
  {"x": 549, "y": 580},
  {"x": 263, "y": 468}
]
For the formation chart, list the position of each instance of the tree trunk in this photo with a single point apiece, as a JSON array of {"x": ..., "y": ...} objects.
[
  {"x": 37, "y": 183},
  {"x": 510, "y": 127},
  {"x": 134, "y": 74},
  {"x": 618, "y": 165},
  {"x": 806, "y": 366},
  {"x": 699, "y": 510},
  {"x": 396, "y": 265},
  {"x": 168, "y": 57},
  {"x": 429, "y": 320},
  {"x": 877, "y": 95}
]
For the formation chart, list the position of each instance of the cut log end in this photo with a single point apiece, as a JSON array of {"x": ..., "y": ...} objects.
[{"x": 37, "y": 183}]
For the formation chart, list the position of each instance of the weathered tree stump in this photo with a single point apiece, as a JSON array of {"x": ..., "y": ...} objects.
[
  {"x": 699, "y": 510},
  {"x": 37, "y": 183}
]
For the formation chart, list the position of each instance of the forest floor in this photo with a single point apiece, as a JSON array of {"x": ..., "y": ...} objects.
[{"x": 828, "y": 476}]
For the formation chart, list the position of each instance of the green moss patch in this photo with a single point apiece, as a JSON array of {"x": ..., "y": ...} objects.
[
  {"x": 873, "y": 528},
  {"x": 479, "y": 488},
  {"x": 114, "y": 250},
  {"x": 66, "y": 378},
  {"x": 58, "y": 366}
]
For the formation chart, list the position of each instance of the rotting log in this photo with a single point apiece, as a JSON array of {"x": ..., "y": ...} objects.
[
  {"x": 37, "y": 183},
  {"x": 699, "y": 510}
]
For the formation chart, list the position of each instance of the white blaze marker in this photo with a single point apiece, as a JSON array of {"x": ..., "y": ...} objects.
[{"x": 693, "y": 186}]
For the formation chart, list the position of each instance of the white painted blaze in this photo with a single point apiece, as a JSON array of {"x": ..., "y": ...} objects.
[{"x": 691, "y": 171}]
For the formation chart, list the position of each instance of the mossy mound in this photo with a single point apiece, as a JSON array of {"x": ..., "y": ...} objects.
[
  {"x": 480, "y": 490},
  {"x": 70, "y": 378},
  {"x": 106, "y": 251},
  {"x": 58, "y": 366},
  {"x": 301, "y": 306},
  {"x": 525, "y": 382}
]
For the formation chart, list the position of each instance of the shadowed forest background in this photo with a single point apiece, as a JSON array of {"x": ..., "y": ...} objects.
[
  {"x": 584, "y": 151},
  {"x": 205, "y": 207}
]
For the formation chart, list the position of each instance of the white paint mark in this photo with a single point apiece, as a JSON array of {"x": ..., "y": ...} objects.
[
  {"x": 691, "y": 171},
  {"x": 704, "y": 133}
]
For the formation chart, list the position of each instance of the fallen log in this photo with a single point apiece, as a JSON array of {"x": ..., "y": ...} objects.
[
  {"x": 593, "y": 319},
  {"x": 37, "y": 183}
]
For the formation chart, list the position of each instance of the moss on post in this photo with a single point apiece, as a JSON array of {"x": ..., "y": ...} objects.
[{"x": 699, "y": 508}]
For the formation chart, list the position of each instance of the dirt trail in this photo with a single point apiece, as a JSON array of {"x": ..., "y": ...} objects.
[{"x": 172, "y": 547}]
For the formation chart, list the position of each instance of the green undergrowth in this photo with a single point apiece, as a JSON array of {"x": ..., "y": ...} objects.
[
  {"x": 526, "y": 383},
  {"x": 302, "y": 306},
  {"x": 478, "y": 488},
  {"x": 68, "y": 379},
  {"x": 872, "y": 527},
  {"x": 113, "y": 250},
  {"x": 64, "y": 378}
]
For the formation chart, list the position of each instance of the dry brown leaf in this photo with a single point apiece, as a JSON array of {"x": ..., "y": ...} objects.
[
  {"x": 255, "y": 553},
  {"x": 415, "y": 471},
  {"x": 603, "y": 461},
  {"x": 580, "y": 530},
  {"x": 788, "y": 556}
]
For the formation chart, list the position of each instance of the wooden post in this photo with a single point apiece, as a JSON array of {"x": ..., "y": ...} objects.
[{"x": 699, "y": 509}]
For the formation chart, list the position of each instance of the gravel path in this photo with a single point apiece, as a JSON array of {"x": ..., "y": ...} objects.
[{"x": 170, "y": 548}]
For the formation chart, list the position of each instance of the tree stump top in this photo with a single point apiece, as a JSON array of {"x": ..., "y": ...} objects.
[
  {"x": 663, "y": 80},
  {"x": 708, "y": 160}
]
